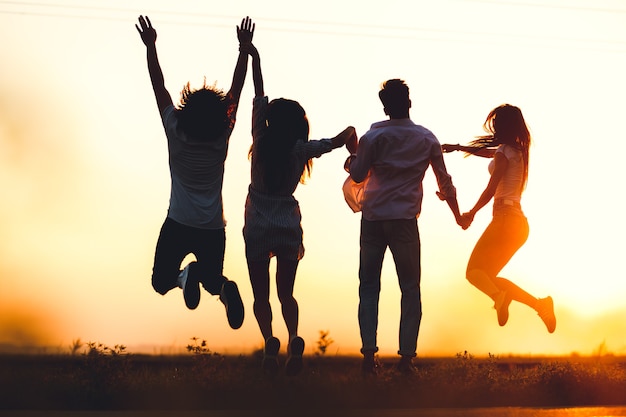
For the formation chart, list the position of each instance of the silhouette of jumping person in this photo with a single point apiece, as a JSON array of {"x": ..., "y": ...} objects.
[
  {"x": 507, "y": 143},
  {"x": 395, "y": 154},
  {"x": 281, "y": 157},
  {"x": 197, "y": 132}
]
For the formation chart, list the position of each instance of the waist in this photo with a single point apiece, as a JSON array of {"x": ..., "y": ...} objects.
[{"x": 503, "y": 202}]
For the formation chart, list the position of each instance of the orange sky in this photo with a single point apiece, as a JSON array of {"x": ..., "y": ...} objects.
[{"x": 83, "y": 166}]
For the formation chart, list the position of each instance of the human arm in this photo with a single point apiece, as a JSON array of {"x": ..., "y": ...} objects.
[
  {"x": 257, "y": 76},
  {"x": 347, "y": 135},
  {"x": 447, "y": 191},
  {"x": 473, "y": 150},
  {"x": 359, "y": 164},
  {"x": 500, "y": 165},
  {"x": 244, "y": 35},
  {"x": 148, "y": 36}
]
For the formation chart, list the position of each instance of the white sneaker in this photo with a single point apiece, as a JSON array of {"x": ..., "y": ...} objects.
[
  {"x": 545, "y": 309},
  {"x": 502, "y": 302},
  {"x": 191, "y": 289}
]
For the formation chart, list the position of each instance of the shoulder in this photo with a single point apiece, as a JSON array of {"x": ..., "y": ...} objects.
[{"x": 509, "y": 152}]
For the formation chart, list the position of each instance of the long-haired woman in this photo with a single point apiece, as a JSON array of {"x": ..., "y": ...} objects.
[
  {"x": 507, "y": 142},
  {"x": 281, "y": 157}
]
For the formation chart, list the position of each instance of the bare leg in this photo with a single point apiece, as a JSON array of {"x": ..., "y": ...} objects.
[
  {"x": 285, "y": 279},
  {"x": 516, "y": 293},
  {"x": 260, "y": 280}
]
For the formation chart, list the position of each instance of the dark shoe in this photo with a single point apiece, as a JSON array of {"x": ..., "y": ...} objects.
[
  {"x": 293, "y": 366},
  {"x": 270, "y": 356},
  {"x": 545, "y": 309},
  {"x": 191, "y": 288},
  {"x": 405, "y": 366},
  {"x": 370, "y": 365},
  {"x": 502, "y": 302},
  {"x": 231, "y": 299}
]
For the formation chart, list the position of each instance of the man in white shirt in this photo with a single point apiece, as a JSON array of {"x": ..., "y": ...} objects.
[{"x": 394, "y": 155}]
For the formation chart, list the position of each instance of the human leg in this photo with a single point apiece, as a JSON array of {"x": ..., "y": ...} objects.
[
  {"x": 211, "y": 245},
  {"x": 372, "y": 252},
  {"x": 404, "y": 243},
  {"x": 174, "y": 243},
  {"x": 504, "y": 236},
  {"x": 260, "y": 281},
  {"x": 285, "y": 279}
]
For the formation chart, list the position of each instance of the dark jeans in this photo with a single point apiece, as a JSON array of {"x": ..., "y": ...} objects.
[
  {"x": 402, "y": 238},
  {"x": 177, "y": 241}
]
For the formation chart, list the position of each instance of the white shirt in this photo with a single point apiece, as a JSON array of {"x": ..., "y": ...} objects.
[{"x": 396, "y": 153}]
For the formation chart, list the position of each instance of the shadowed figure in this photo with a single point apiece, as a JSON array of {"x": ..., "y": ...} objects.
[
  {"x": 197, "y": 132},
  {"x": 507, "y": 144},
  {"x": 394, "y": 155},
  {"x": 281, "y": 157}
]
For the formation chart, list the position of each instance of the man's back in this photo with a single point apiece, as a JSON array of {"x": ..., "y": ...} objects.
[{"x": 396, "y": 153}]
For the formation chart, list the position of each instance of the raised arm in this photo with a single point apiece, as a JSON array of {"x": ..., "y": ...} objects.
[
  {"x": 148, "y": 36},
  {"x": 245, "y": 33},
  {"x": 257, "y": 76}
]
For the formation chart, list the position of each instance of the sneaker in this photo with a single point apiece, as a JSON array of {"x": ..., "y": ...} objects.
[
  {"x": 191, "y": 288},
  {"x": 370, "y": 365},
  {"x": 270, "y": 356},
  {"x": 405, "y": 366},
  {"x": 502, "y": 307},
  {"x": 231, "y": 299},
  {"x": 293, "y": 366},
  {"x": 545, "y": 309}
]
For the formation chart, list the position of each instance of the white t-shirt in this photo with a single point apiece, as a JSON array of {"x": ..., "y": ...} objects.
[
  {"x": 197, "y": 173},
  {"x": 510, "y": 186}
]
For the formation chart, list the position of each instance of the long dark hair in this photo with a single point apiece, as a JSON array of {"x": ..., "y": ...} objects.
[
  {"x": 505, "y": 125},
  {"x": 286, "y": 124}
]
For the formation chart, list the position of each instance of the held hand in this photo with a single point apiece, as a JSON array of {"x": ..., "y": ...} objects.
[
  {"x": 465, "y": 220},
  {"x": 446, "y": 148},
  {"x": 347, "y": 134},
  {"x": 246, "y": 31},
  {"x": 146, "y": 31},
  {"x": 352, "y": 142},
  {"x": 250, "y": 49}
]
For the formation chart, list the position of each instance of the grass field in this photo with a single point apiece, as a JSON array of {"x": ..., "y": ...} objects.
[{"x": 111, "y": 379}]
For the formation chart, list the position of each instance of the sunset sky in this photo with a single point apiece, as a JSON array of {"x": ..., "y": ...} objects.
[{"x": 85, "y": 181}]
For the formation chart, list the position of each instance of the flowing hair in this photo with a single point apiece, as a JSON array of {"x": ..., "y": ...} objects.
[
  {"x": 286, "y": 124},
  {"x": 505, "y": 125}
]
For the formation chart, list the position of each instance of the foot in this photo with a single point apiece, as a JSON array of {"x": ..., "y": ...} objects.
[
  {"x": 502, "y": 302},
  {"x": 405, "y": 366},
  {"x": 370, "y": 365},
  {"x": 191, "y": 289},
  {"x": 293, "y": 366},
  {"x": 545, "y": 309},
  {"x": 270, "y": 356},
  {"x": 231, "y": 299}
]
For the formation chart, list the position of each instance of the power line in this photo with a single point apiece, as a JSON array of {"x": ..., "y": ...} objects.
[{"x": 346, "y": 29}]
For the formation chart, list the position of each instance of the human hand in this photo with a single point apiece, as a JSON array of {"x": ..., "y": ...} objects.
[
  {"x": 146, "y": 31},
  {"x": 446, "y": 148},
  {"x": 465, "y": 220},
  {"x": 348, "y": 134},
  {"x": 246, "y": 31},
  {"x": 250, "y": 49},
  {"x": 351, "y": 142}
]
